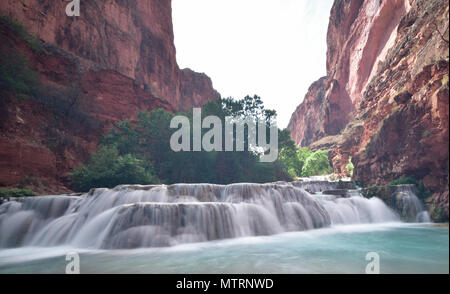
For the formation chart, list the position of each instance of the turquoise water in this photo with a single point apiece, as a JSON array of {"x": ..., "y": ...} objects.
[{"x": 403, "y": 248}]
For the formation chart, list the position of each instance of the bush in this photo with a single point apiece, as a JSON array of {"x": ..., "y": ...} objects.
[
  {"x": 350, "y": 167},
  {"x": 34, "y": 43},
  {"x": 6, "y": 193},
  {"x": 404, "y": 181},
  {"x": 108, "y": 169},
  {"x": 16, "y": 75}
]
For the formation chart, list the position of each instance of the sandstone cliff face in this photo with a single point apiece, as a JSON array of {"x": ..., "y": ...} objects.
[
  {"x": 389, "y": 62},
  {"x": 359, "y": 35},
  {"x": 133, "y": 38},
  {"x": 305, "y": 123},
  {"x": 120, "y": 55}
]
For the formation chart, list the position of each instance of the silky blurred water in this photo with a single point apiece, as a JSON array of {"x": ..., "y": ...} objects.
[{"x": 403, "y": 248}]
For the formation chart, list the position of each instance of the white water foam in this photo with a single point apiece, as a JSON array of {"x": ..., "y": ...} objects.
[{"x": 158, "y": 216}]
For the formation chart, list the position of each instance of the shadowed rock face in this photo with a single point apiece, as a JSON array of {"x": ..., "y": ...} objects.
[
  {"x": 120, "y": 54},
  {"x": 387, "y": 104}
]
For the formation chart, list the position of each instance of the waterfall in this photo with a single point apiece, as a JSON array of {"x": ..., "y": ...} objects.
[
  {"x": 314, "y": 186},
  {"x": 409, "y": 205},
  {"x": 131, "y": 216}
]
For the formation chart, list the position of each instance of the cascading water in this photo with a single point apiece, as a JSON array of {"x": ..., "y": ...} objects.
[
  {"x": 313, "y": 186},
  {"x": 134, "y": 216},
  {"x": 409, "y": 206}
]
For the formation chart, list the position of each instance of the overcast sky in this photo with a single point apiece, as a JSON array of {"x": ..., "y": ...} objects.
[{"x": 272, "y": 48}]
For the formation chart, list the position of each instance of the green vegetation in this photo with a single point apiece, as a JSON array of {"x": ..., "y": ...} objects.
[
  {"x": 404, "y": 181},
  {"x": 422, "y": 191},
  {"x": 349, "y": 167},
  {"x": 16, "y": 75},
  {"x": 444, "y": 80},
  {"x": 19, "y": 80},
  {"x": 34, "y": 43},
  {"x": 108, "y": 169},
  {"x": 317, "y": 164},
  {"x": 289, "y": 155},
  {"x": 147, "y": 142},
  {"x": 6, "y": 193},
  {"x": 139, "y": 151},
  {"x": 302, "y": 162}
]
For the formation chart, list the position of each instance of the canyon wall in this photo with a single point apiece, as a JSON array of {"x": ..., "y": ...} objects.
[
  {"x": 118, "y": 56},
  {"x": 384, "y": 101},
  {"x": 132, "y": 38},
  {"x": 359, "y": 35}
]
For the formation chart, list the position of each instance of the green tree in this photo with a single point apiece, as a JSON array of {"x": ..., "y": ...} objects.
[
  {"x": 124, "y": 137},
  {"x": 317, "y": 164},
  {"x": 288, "y": 154},
  {"x": 108, "y": 169},
  {"x": 302, "y": 155},
  {"x": 148, "y": 140}
]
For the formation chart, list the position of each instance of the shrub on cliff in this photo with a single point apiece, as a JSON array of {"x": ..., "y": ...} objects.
[
  {"x": 350, "y": 167},
  {"x": 108, "y": 169},
  {"x": 20, "y": 31},
  {"x": 16, "y": 76}
]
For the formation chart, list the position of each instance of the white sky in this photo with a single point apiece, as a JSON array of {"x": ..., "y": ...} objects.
[{"x": 272, "y": 48}]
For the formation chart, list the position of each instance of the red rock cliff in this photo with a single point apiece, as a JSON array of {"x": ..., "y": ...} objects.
[
  {"x": 359, "y": 35},
  {"x": 121, "y": 57},
  {"x": 386, "y": 94},
  {"x": 133, "y": 38}
]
